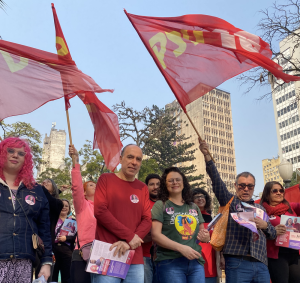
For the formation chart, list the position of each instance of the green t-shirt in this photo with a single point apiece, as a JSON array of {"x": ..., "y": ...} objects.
[{"x": 180, "y": 224}]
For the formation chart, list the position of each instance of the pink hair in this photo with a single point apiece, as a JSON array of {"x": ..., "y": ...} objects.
[{"x": 26, "y": 173}]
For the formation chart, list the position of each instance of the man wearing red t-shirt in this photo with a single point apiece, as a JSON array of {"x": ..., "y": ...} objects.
[
  {"x": 123, "y": 214},
  {"x": 153, "y": 183}
]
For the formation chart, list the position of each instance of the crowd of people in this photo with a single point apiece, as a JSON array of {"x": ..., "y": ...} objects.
[{"x": 164, "y": 220}]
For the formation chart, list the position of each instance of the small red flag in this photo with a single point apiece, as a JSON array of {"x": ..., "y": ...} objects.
[
  {"x": 106, "y": 125},
  {"x": 63, "y": 53},
  {"x": 196, "y": 53}
]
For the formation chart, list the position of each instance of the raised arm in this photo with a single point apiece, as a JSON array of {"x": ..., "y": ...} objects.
[
  {"x": 77, "y": 186},
  {"x": 219, "y": 187}
]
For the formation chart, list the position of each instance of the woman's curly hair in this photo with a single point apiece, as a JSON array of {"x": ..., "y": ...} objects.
[
  {"x": 163, "y": 193},
  {"x": 26, "y": 173},
  {"x": 208, "y": 199}
]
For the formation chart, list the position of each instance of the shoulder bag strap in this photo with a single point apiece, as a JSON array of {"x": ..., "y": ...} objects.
[{"x": 23, "y": 210}]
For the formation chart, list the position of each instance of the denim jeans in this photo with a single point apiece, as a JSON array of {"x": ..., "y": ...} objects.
[
  {"x": 148, "y": 268},
  {"x": 239, "y": 270},
  {"x": 179, "y": 270},
  {"x": 135, "y": 275}
]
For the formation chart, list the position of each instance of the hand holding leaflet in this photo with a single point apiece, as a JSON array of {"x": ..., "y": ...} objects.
[
  {"x": 291, "y": 238},
  {"x": 246, "y": 219}
]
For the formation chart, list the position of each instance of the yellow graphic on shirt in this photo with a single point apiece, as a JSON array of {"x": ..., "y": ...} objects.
[{"x": 185, "y": 225}]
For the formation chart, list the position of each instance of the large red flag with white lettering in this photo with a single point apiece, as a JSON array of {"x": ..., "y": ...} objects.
[
  {"x": 196, "y": 53},
  {"x": 105, "y": 121}
]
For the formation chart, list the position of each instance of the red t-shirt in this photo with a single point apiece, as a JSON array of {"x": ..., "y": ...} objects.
[
  {"x": 122, "y": 209},
  {"x": 146, "y": 247}
]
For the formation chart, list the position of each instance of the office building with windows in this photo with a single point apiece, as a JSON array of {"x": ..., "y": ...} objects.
[
  {"x": 211, "y": 115},
  {"x": 285, "y": 102},
  {"x": 270, "y": 170}
]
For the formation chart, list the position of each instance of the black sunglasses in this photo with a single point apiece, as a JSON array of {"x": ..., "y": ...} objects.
[{"x": 275, "y": 191}]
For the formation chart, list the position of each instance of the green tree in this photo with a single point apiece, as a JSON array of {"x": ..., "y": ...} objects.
[
  {"x": 149, "y": 166},
  {"x": 155, "y": 130},
  {"x": 93, "y": 164},
  {"x": 25, "y": 131},
  {"x": 294, "y": 179}
]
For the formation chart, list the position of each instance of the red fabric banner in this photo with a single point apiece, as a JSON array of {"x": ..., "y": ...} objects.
[
  {"x": 196, "y": 53},
  {"x": 105, "y": 122},
  {"x": 31, "y": 77},
  {"x": 106, "y": 125},
  {"x": 64, "y": 54}
]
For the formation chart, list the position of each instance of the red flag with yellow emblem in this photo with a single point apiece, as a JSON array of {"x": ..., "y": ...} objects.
[
  {"x": 105, "y": 121},
  {"x": 196, "y": 53}
]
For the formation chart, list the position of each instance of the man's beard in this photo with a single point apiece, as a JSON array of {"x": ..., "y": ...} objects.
[{"x": 152, "y": 196}]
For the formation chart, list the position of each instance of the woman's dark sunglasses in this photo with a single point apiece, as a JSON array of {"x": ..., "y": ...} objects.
[{"x": 275, "y": 191}]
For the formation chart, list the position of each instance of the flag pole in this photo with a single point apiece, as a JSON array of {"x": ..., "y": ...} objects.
[
  {"x": 70, "y": 136},
  {"x": 198, "y": 134}
]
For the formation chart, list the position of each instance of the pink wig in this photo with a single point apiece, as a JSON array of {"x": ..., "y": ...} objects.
[{"x": 26, "y": 173}]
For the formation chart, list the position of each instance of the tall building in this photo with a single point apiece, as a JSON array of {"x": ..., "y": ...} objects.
[
  {"x": 286, "y": 110},
  {"x": 270, "y": 170},
  {"x": 211, "y": 115},
  {"x": 54, "y": 148}
]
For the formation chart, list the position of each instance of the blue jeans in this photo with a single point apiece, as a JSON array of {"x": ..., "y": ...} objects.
[
  {"x": 135, "y": 275},
  {"x": 239, "y": 270},
  {"x": 179, "y": 270},
  {"x": 148, "y": 268}
]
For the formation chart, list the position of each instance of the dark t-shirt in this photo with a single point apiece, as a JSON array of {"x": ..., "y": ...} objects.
[{"x": 180, "y": 224}]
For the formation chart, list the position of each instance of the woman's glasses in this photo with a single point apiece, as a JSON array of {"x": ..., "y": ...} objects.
[
  {"x": 12, "y": 151},
  {"x": 275, "y": 191},
  {"x": 198, "y": 197}
]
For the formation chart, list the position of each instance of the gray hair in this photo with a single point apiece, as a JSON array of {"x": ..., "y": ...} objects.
[
  {"x": 123, "y": 149},
  {"x": 55, "y": 191},
  {"x": 244, "y": 174}
]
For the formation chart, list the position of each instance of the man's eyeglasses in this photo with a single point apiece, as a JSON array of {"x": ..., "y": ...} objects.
[
  {"x": 177, "y": 180},
  {"x": 12, "y": 151},
  {"x": 243, "y": 187},
  {"x": 275, "y": 191},
  {"x": 198, "y": 197}
]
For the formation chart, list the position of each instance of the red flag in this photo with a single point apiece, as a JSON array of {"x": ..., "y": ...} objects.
[
  {"x": 31, "y": 77},
  {"x": 106, "y": 125},
  {"x": 196, "y": 53}
]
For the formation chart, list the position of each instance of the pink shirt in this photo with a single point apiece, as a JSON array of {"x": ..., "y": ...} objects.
[{"x": 84, "y": 209}]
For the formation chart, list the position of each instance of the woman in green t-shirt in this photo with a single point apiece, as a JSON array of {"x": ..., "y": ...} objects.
[{"x": 177, "y": 223}]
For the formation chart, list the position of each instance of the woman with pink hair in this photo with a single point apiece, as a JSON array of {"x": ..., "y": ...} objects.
[
  {"x": 24, "y": 210},
  {"x": 83, "y": 200}
]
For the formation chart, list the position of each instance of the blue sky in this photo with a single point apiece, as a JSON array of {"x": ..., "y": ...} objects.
[{"x": 105, "y": 46}]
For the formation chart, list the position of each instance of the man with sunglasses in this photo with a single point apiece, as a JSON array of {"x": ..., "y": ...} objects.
[{"x": 245, "y": 259}]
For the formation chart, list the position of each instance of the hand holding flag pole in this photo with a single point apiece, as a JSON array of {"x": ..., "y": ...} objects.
[{"x": 200, "y": 139}]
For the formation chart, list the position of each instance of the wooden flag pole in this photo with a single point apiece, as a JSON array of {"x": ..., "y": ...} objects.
[
  {"x": 70, "y": 136},
  {"x": 198, "y": 135}
]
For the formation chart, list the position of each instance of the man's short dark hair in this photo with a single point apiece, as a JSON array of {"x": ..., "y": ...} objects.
[
  {"x": 244, "y": 174},
  {"x": 123, "y": 149},
  {"x": 152, "y": 176}
]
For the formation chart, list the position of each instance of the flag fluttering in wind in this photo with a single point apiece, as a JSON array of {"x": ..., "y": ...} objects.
[
  {"x": 106, "y": 125},
  {"x": 196, "y": 53},
  {"x": 31, "y": 77},
  {"x": 105, "y": 121}
]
